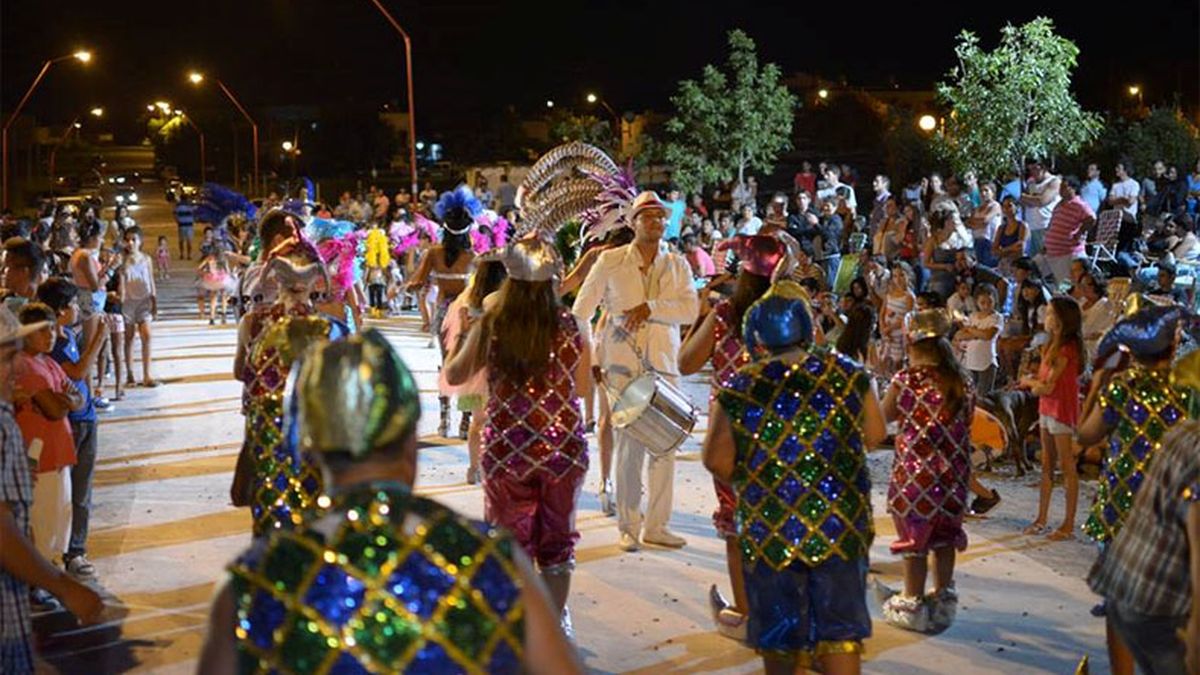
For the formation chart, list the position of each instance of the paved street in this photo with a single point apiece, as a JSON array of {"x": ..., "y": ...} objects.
[{"x": 162, "y": 531}]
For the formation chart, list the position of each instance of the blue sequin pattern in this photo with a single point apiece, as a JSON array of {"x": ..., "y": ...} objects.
[
  {"x": 800, "y": 474},
  {"x": 384, "y": 582}
]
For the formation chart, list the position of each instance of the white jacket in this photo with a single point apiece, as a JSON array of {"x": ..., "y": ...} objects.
[{"x": 616, "y": 281}]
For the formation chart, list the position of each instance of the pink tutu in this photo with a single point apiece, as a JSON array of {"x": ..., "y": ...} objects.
[{"x": 215, "y": 282}]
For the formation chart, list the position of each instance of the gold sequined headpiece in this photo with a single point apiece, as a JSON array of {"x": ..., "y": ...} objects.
[
  {"x": 355, "y": 396},
  {"x": 928, "y": 323}
]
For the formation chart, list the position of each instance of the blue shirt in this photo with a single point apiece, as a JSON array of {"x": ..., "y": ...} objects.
[
  {"x": 66, "y": 350},
  {"x": 674, "y": 219},
  {"x": 185, "y": 214},
  {"x": 1011, "y": 189},
  {"x": 1093, "y": 192}
]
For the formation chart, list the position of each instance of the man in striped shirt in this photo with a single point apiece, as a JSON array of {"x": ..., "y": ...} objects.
[
  {"x": 21, "y": 567},
  {"x": 1068, "y": 229}
]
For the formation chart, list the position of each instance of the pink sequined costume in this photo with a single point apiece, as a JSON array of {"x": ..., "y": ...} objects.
[
  {"x": 729, "y": 354},
  {"x": 927, "y": 495},
  {"x": 534, "y": 453}
]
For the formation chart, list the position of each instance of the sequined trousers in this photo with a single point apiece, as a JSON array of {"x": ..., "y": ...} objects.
[{"x": 381, "y": 582}]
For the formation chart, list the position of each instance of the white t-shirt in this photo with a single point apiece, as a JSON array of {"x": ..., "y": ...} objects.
[
  {"x": 1097, "y": 319},
  {"x": 1127, "y": 189},
  {"x": 1038, "y": 217},
  {"x": 981, "y": 354},
  {"x": 960, "y": 305}
]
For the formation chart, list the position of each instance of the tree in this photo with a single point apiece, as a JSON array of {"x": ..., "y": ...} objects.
[
  {"x": 730, "y": 120},
  {"x": 1013, "y": 103},
  {"x": 567, "y": 126},
  {"x": 1164, "y": 134}
]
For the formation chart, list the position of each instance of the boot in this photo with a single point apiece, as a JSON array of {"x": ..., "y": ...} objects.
[
  {"x": 444, "y": 425},
  {"x": 464, "y": 426},
  {"x": 907, "y": 613}
]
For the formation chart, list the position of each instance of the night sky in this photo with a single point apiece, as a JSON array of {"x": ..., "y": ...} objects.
[{"x": 473, "y": 58}]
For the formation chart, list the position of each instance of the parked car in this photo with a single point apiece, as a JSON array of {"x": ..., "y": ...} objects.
[{"x": 125, "y": 194}]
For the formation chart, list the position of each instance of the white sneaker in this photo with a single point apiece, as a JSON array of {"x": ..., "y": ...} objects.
[
  {"x": 628, "y": 543},
  {"x": 907, "y": 613},
  {"x": 81, "y": 568},
  {"x": 664, "y": 538}
]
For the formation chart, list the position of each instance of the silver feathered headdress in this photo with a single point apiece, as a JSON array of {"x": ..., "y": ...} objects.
[{"x": 564, "y": 183}]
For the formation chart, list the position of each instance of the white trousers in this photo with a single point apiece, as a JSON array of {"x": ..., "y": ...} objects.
[
  {"x": 631, "y": 455},
  {"x": 50, "y": 516}
]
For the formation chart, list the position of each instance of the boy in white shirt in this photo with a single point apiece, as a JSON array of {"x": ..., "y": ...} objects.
[
  {"x": 978, "y": 337},
  {"x": 961, "y": 304}
]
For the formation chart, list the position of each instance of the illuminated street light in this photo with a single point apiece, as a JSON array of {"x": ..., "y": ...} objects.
[
  {"x": 150, "y": 107},
  {"x": 83, "y": 55},
  {"x": 196, "y": 78},
  {"x": 927, "y": 123},
  {"x": 591, "y": 98},
  {"x": 77, "y": 125},
  {"x": 549, "y": 104},
  {"x": 287, "y": 146},
  {"x": 97, "y": 112},
  {"x": 823, "y": 93},
  {"x": 163, "y": 106},
  {"x": 1134, "y": 90}
]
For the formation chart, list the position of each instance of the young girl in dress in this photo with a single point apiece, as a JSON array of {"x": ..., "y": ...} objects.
[
  {"x": 162, "y": 258},
  {"x": 933, "y": 402},
  {"x": 1057, "y": 386},
  {"x": 216, "y": 282},
  {"x": 896, "y": 306}
]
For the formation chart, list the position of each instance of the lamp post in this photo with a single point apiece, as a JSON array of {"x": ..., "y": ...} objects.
[
  {"x": 203, "y": 164},
  {"x": 593, "y": 99},
  {"x": 196, "y": 79},
  {"x": 927, "y": 123},
  {"x": 412, "y": 110},
  {"x": 1136, "y": 91},
  {"x": 94, "y": 112},
  {"x": 83, "y": 56}
]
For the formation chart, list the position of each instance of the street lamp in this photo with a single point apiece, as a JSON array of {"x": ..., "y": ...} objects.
[
  {"x": 83, "y": 56},
  {"x": 287, "y": 146},
  {"x": 150, "y": 108},
  {"x": 412, "y": 110},
  {"x": 97, "y": 112},
  {"x": 75, "y": 125},
  {"x": 1136, "y": 91},
  {"x": 549, "y": 104},
  {"x": 927, "y": 123},
  {"x": 203, "y": 162},
  {"x": 593, "y": 99},
  {"x": 822, "y": 94},
  {"x": 196, "y": 79}
]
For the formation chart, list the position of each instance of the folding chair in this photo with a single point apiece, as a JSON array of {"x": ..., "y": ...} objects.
[{"x": 1107, "y": 227}]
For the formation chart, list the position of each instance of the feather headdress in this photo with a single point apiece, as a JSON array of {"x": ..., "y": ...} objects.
[
  {"x": 611, "y": 211},
  {"x": 461, "y": 197},
  {"x": 218, "y": 202}
]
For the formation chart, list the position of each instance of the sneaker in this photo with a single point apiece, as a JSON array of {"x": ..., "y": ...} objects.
[
  {"x": 101, "y": 403},
  {"x": 44, "y": 601},
  {"x": 907, "y": 613},
  {"x": 628, "y": 543},
  {"x": 981, "y": 505},
  {"x": 568, "y": 628},
  {"x": 943, "y": 609},
  {"x": 81, "y": 568},
  {"x": 665, "y": 538},
  {"x": 607, "y": 506}
]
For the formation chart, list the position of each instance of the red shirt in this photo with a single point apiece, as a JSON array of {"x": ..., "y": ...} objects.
[
  {"x": 806, "y": 182},
  {"x": 34, "y": 373},
  {"x": 1064, "y": 236},
  {"x": 1063, "y": 403}
]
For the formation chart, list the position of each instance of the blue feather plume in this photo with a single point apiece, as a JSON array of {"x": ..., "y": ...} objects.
[
  {"x": 461, "y": 197},
  {"x": 218, "y": 202}
]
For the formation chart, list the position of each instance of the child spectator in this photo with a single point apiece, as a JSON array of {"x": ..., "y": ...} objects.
[
  {"x": 163, "y": 257},
  {"x": 961, "y": 303},
  {"x": 139, "y": 302},
  {"x": 60, "y": 296},
  {"x": 1057, "y": 386},
  {"x": 44, "y": 396},
  {"x": 978, "y": 339},
  {"x": 896, "y": 306},
  {"x": 114, "y": 322},
  {"x": 215, "y": 283},
  {"x": 927, "y": 496},
  {"x": 699, "y": 260}
]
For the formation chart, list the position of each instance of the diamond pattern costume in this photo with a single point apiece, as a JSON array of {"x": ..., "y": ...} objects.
[
  {"x": 1141, "y": 405},
  {"x": 285, "y": 482},
  {"x": 803, "y": 503},
  {"x": 384, "y": 582},
  {"x": 728, "y": 355},
  {"x": 534, "y": 455},
  {"x": 801, "y": 476},
  {"x": 927, "y": 495}
]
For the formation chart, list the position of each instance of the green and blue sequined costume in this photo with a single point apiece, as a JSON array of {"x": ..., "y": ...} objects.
[
  {"x": 383, "y": 582},
  {"x": 1140, "y": 404}
]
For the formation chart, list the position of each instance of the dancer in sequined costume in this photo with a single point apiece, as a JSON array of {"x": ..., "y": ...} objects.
[
  {"x": 933, "y": 401},
  {"x": 380, "y": 581},
  {"x": 270, "y": 338},
  {"x": 717, "y": 337},
  {"x": 534, "y": 453},
  {"x": 1135, "y": 408},
  {"x": 791, "y": 434}
]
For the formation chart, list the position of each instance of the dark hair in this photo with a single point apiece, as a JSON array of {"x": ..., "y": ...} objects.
[
  {"x": 35, "y": 312},
  {"x": 454, "y": 244},
  {"x": 1072, "y": 182},
  {"x": 20, "y": 249},
  {"x": 932, "y": 298},
  {"x": 135, "y": 229},
  {"x": 1166, "y": 267},
  {"x": 950, "y": 372},
  {"x": 274, "y": 224},
  {"x": 1025, "y": 308},
  {"x": 985, "y": 288},
  {"x": 859, "y": 283},
  {"x": 521, "y": 329},
  {"x": 1070, "y": 318},
  {"x": 58, "y": 293},
  {"x": 746, "y": 290},
  {"x": 1098, "y": 282},
  {"x": 856, "y": 335},
  {"x": 89, "y": 230}
]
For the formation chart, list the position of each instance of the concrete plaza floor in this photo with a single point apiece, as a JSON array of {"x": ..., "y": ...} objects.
[{"x": 163, "y": 529}]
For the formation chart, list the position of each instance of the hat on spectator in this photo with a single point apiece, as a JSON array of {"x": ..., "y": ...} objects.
[
  {"x": 929, "y": 323},
  {"x": 12, "y": 329}
]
